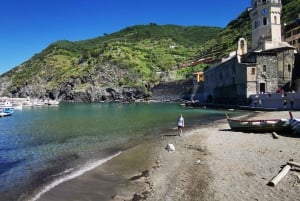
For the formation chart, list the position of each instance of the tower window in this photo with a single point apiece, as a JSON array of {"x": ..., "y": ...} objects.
[
  {"x": 242, "y": 46},
  {"x": 255, "y": 24},
  {"x": 252, "y": 71},
  {"x": 264, "y": 68},
  {"x": 275, "y": 20},
  {"x": 265, "y": 21}
]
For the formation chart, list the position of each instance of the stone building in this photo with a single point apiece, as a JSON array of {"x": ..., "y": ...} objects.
[{"x": 266, "y": 68}]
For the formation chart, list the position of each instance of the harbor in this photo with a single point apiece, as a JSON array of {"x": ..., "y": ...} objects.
[{"x": 19, "y": 103}]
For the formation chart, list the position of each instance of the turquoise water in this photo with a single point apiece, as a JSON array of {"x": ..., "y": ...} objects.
[{"x": 38, "y": 144}]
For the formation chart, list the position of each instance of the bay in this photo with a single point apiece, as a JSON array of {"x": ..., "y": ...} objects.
[{"x": 38, "y": 145}]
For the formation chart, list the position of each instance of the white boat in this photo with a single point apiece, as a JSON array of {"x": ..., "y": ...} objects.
[
  {"x": 259, "y": 125},
  {"x": 6, "y": 112}
]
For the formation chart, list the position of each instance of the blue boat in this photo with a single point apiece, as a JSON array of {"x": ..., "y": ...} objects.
[{"x": 6, "y": 112}]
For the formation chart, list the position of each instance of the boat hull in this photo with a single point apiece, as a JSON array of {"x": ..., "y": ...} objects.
[{"x": 269, "y": 125}]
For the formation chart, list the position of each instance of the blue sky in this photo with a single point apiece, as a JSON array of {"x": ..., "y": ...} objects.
[{"x": 29, "y": 26}]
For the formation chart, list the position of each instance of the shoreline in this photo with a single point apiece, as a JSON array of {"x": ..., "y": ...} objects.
[{"x": 210, "y": 163}]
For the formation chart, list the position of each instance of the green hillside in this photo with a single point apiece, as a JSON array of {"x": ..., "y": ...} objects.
[{"x": 131, "y": 57}]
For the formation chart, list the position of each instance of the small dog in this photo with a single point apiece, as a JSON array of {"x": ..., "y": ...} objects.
[{"x": 170, "y": 148}]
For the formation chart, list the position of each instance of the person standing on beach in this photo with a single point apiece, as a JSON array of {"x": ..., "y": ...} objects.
[{"x": 180, "y": 124}]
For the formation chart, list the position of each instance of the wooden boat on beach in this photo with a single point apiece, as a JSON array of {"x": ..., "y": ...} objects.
[{"x": 259, "y": 125}]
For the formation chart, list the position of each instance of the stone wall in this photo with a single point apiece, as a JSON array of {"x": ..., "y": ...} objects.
[
  {"x": 267, "y": 72},
  {"x": 173, "y": 91}
]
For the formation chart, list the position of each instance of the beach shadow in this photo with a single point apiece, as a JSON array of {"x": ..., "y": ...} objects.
[
  {"x": 169, "y": 135},
  {"x": 287, "y": 133}
]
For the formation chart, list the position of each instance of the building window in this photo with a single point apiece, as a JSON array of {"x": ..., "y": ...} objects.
[
  {"x": 264, "y": 2},
  {"x": 289, "y": 68},
  {"x": 265, "y": 21},
  {"x": 275, "y": 19},
  {"x": 264, "y": 68},
  {"x": 255, "y": 24},
  {"x": 252, "y": 71},
  {"x": 255, "y": 5},
  {"x": 242, "y": 46},
  {"x": 295, "y": 32}
]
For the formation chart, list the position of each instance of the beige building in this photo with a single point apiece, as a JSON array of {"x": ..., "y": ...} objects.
[{"x": 292, "y": 33}]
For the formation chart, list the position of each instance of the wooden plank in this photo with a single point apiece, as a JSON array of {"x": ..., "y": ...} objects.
[
  {"x": 282, "y": 173},
  {"x": 275, "y": 135},
  {"x": 291, "y": 163}
]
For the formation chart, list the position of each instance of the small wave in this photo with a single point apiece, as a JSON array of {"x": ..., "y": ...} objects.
[
  {"x": 62, "y": 173},
  {"x": 73, "y": 175}
]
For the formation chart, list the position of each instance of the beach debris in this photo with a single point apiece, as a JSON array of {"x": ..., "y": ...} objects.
[
  {"x": 284, "y": 172},
  {"x": 291, "y": 163},
  {"x": 142, "y": 196},
  {"x": 145, "y": 173},
  {"x": 157, "y": 164},
  {"x": 170, "y": 148},
  {"x": 281, "y": 174},
  {"x": 297, "y": 179},
  {"x": 137, "y": 197},
  {"x": 198, "y": 161},
  {"x": 275, "y": 135}
]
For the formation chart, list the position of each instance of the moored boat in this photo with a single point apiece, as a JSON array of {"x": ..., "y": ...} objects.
[
  {"x": 259, "y": 125},
  {"x": 6, "y": 112}
]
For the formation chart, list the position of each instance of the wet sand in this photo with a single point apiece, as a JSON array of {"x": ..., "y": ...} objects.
[{"x": 209, "y": 164}]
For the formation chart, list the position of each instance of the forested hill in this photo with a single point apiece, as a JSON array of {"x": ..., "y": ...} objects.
[
  {"x": 125, "y": 64},
  {"x": 99, "y": 69}
]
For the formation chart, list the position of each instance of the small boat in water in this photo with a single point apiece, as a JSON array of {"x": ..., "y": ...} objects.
[
  {"x": 6, "y": 112},
  {"x": 259, "y": 125}
]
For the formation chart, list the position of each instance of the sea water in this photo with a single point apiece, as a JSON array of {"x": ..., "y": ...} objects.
[{"x": 40, "y": 144}]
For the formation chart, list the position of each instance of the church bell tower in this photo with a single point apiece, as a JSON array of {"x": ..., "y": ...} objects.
[{"x": 266, "y": 24}]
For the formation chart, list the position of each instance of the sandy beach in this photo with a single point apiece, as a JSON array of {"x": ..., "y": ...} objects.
[{"x": 209, "y": 164}]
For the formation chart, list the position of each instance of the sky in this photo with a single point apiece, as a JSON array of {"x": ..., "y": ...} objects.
[{"x": 29, "y": 26}]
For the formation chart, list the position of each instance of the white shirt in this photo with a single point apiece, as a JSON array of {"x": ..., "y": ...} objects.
[{"x": 181, "y": 121}]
